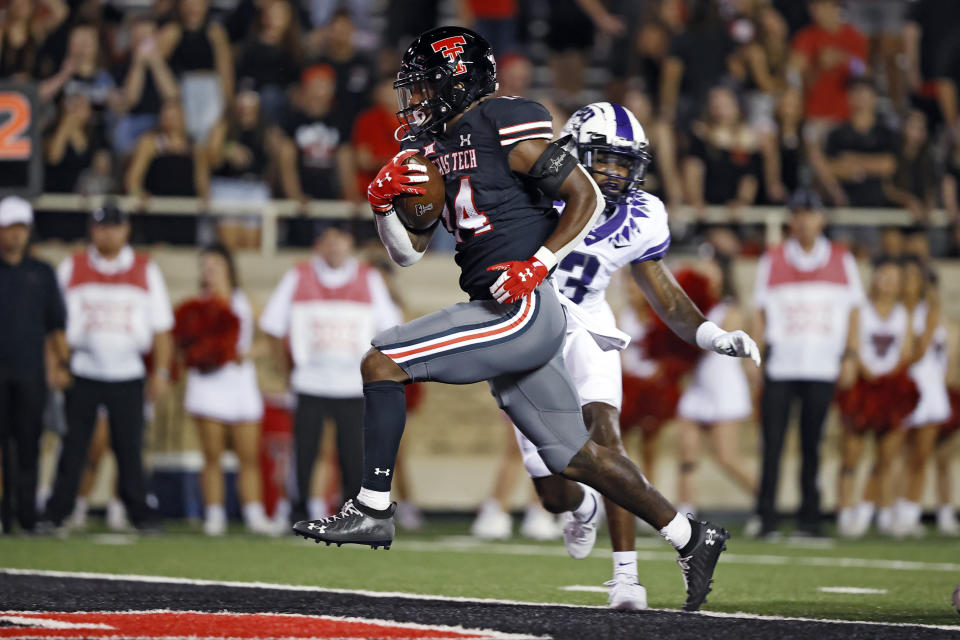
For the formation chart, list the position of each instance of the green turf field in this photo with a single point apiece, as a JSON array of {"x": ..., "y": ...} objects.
[{"x": 785, "y": 578}]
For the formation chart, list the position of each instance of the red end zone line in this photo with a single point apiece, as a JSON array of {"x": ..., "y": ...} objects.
[{"x": 197, "y": 624}]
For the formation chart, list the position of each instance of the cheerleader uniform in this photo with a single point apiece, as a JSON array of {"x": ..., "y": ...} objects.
[
  {"x": 881, "y": 339},
  {"x": 229, "y": 394},
  {"x": 930, "y": 375},
  {"x": 718, "y": 390}
]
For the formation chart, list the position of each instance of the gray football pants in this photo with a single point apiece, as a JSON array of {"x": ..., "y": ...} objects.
[{"x": 517, "y": 348}]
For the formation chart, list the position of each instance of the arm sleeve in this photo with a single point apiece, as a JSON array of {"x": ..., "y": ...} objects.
[
  {"x": 518, "y": 119},
  {"x": 760, "y": 285},
  {"x": 275, "y": 319},
  {"x": 655, "y": 233},
  {"x": 387, "y": 312},
  {"x": 161, "y": 315},
  {"x": 55, "y": 313}
]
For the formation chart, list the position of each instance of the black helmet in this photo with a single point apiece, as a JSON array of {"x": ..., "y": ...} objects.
[{"x": 441, "y": 74}]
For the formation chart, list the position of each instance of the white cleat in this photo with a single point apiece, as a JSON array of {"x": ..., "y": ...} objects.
[
  {"x": 538, "y": 524},
  {"x": 492, "y": 522},
  {"x": 580, "y": 536},
  {"x": 215, "y": 527},
  {"x": 947, "y": 521},
  {"x": 117, "y": 516},
  {"x": 626, "y": 593}
]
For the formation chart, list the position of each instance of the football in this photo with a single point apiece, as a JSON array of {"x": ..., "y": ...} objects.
[{"x": 419, "y": 212}]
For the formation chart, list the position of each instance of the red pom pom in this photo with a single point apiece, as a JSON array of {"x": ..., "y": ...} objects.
[
  {"x": 953, "y": 424},
  {"x": 661, "y": 343},
  {"x": 206, "y": 331},
  {"x": 879, "y": 404},
  {"x": 648, "y": 403}
]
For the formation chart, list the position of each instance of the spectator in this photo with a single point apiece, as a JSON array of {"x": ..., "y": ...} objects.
[
  {"x": 98, "y": 179},
  {"x": 826, "y": 55},
  {"x": 514, "y": 73},
  {"x": 948, "y": 80},
  {"x": 327, "y": 338},
  {"x": 238, "y": 153},
  {"x": 24, "y": 28},
  {"x": 930, "y": 26},
  {"x": 806, "y": 296},
  {"x": 271, "y": 58},
  {"x": 663, "y": 174},
  {"x": 314, "y": 159},
  {"x": 761, "y": 63},
  {"x": 71, "y": 145},
  {"x": 644, "y": 61},
  {"x": 724, "y": 156},
  {"x": 699, "y": 58},
  {"x": 914, "y": 184},
  {"x": 860, "y": 153},
  {"x": 882, "y": 21},
  {"x": 32, "y": 320},
  {"x": 198, "y": 52},
  {"x": 783, "y": 157},
  {"x": 223, "y": 398},
  {"x": 373, "y": 139},
  {"x": 891, "y": 242},
  {"x": 82, "y": 72},
  {"x": 353, "y": 71},
  {"x": 145, "y": 82},
  {"x": 495, "y": 20},
  {"x": 117, "y": 311},
  {"x": 950, "y": 191},
  {"x": 165, "y": 162}
]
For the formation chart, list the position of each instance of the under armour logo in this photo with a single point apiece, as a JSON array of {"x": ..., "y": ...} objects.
[
  {"x": 711, "y": 536},
  {"x": 378, "y": 471},
  {"x": 313, "y": 526},
  {"x": 526, "y": 273},
  {"x": 451, "y": 48},
  {"x": 465, "y": 139},
  {"x": 386, "y": 177}
]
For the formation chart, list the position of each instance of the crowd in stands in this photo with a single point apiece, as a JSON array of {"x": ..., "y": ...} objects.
[{"x": 743, "y": 100}]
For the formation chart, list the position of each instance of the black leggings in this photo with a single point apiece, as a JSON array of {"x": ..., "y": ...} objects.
[
  {"x": 21, "y": 425},
  {"x": 347, "y": 414},
  {"x": 778, "y": 397}
]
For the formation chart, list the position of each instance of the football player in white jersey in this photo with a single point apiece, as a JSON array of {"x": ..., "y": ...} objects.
[{"x": 611, "y": 144}]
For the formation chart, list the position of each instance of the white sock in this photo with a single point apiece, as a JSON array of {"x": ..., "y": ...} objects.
[
  {"x": 885, "y": 518},
  {"x": 378, "y": 500},
  {"x": 316, "y": 508},
  {"x": 625, "y": 564},
  {"x": 677, "y": 532},
  {"x": 253, "y": 513},
  {"x": 588, "y": 507},
  {"x": 216, "y": 513},
  {"x": 80, "y": 507},
  {"x": 686, "y": 509}
]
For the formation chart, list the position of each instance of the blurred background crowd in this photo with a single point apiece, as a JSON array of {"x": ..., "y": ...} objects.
[{"x": 253, "y": 101}]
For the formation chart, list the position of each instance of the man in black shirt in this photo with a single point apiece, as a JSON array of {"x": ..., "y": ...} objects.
[{"x": 32, "y": 315}]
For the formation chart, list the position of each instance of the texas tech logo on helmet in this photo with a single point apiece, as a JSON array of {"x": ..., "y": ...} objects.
[{"x": 452, "y": 47}]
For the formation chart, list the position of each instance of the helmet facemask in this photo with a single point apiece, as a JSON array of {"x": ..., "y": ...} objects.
[
  {"x": 624, "y": 168},
  {"x": 420, "y": 98}
]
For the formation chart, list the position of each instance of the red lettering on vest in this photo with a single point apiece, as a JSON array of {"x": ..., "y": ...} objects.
[
  {"x": 783, "y": 272},
  {"x": 310, "y": 288},
  {"x": 85, "y": 273}
]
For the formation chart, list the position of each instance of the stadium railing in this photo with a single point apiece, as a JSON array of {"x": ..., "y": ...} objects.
[{"x": 772, "y": 218}]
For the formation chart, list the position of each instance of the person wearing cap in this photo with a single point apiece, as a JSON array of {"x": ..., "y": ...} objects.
[
  {"x": 117, "y": 311},
  {"x": 329, "y": 308},
  {"x": 807, "y": 294},
  {"x": 32, "y": 321}
]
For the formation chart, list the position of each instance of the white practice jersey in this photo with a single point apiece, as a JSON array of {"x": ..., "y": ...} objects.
[
  {"x": 881, "y": 339},
  {"x": 633, "y": 231}
]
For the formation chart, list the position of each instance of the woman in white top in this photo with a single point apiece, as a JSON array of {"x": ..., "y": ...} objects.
[
  {"x": 885, "y": 346},
  {"x": 226, "y": 402},
  {"x": 929, "y": 372},
  {"x": 716, "y": 400}
]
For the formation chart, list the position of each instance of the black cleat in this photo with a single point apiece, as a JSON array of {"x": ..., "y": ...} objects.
[
  {"x": 698, "y": 565},
  {"x": 355, "y": 524}
]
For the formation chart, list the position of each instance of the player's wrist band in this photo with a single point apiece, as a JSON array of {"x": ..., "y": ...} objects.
[
  {"x": 547, "y": 257},
  {"x": 707, "y": 333},
  {"x": 383, "y": 213}
]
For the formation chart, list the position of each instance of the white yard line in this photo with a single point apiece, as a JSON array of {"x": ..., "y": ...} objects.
[
  {"x": 584, "y": 587},
  {"x": 419, "y": 596},
  {"x": 860, "y": 591}
]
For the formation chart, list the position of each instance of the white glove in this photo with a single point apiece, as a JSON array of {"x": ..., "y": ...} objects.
[{"x": 728, "y": 343}]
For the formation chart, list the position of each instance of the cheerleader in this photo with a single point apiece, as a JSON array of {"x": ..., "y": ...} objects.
[
  {"x": 222, "y": 395},
  {"x": 717, "y": 399},
  {"x": 878, "y": 402},
  {"x": 929, "y": 372}
]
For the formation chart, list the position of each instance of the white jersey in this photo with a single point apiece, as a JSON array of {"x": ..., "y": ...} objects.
[
  {"x": 626, "y": 233},
  {"x": 881, "y": 339},
  {"x": 930, "y": 374}
]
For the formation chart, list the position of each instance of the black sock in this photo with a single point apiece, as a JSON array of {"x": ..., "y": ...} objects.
[
  {"x": 384, "y": 416},
  {"x": 694, "y": 538}
]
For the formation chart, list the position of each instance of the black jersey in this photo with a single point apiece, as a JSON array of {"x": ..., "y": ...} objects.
[{"x": 493, "y": 213}]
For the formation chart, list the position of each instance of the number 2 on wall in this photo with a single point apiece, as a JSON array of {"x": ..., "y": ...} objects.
[{"x": 13, "y": 144}]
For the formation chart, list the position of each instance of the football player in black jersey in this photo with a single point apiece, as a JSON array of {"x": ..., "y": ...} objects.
[{"x": 502, "y": 175}]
